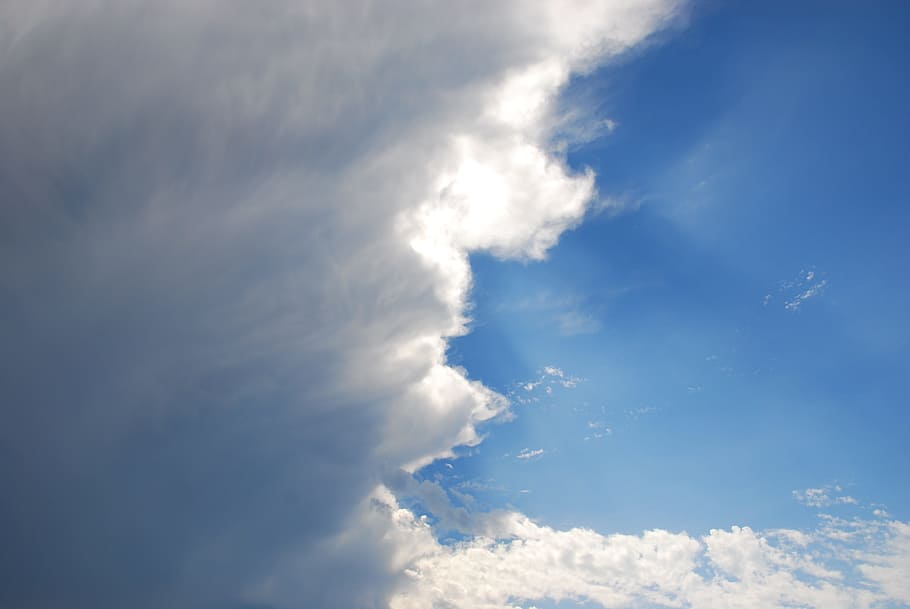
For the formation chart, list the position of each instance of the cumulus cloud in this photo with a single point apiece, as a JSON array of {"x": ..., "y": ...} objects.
[
  {"x": 520, "y": 561},
  {"x": 233, "y": 244},
  {"x": 824, "y": 496}
]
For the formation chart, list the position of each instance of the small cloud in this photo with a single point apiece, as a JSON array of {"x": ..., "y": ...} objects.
[
  {"x": 795, "y": 292},
  {"x": 527, "y": 453},
  {"x": 599, "y": 429},
  {"x": 550, "y": 377},
  {"x": 813, "y": 497},
  {"x": 599, "y": 435},
  {"x": 811, "y": 292},
  {"x": 637, "y": 412},
  {"x": 569, "y": 313},
  {"x": 824, "y": 496}
]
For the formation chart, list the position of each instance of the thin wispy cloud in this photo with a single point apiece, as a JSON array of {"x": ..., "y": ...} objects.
[
  {"x": 793, "y": 293},
  {"x": 528, "y": 453}
]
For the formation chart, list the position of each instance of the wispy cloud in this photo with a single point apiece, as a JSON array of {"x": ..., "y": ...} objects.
[
  {"x": 549, "y": 378},
  {"x": 571, "y": 314},
  {"x": 795, "y": 292},
  {"x": 574, "y": 323},
  {"x": 598, "y": 430},
  {"x": 528, "y": 453},
  {"x": 824, "y": 496}
]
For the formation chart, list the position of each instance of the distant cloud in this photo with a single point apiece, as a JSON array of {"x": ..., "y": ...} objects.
[
  {"x": 810, "y": 292},
  {"x": 574, "y": 323},
  {"x": 570, "y": 314},
  {"x": 550, "y": 377},
  {"x": 796, "y": 292},
  {"x": 527, "y": 453},
  {"x": 598, "y": 430},
  {"x": 824, "y": 496},
  {"x": 859, "y": 564},
  {"x": 642, "y": 410}
]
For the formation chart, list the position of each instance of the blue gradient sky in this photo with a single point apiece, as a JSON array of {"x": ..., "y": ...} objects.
[{"x": 760, "y": 152}]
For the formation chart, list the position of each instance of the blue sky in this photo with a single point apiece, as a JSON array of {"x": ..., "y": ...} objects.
[
  {"x": 453, "y": 305},
  {"x": 758, "y": 147}
]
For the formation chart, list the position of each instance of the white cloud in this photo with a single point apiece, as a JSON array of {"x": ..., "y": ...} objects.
[
  {"x": 548, "y": 378},
  {"x": 235, "y": 243},
  {"x": 527, "y": 453},
  {"x": 811, "y": 292},
  {"x": 813, "y": 497},
  {"x": 797, "y": 291},
  {"x": 887, "y": 565},
  {"x": 599, "y": 430},
  {"x": 520, "y": 561},
  {"x": 824, "y": 496}
]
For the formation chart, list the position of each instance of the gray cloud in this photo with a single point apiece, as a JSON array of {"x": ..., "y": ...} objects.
[{"x": 233, "y": 242}]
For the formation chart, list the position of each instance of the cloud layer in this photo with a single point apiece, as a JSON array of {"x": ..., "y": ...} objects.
[
  {"x": 844, "y": 564},
  {"x": 233, "y": 243}
]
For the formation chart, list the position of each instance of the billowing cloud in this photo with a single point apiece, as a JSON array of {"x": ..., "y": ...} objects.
[
  {"x": 842, "y": 564},
  {"x": 233, "y": 243}
]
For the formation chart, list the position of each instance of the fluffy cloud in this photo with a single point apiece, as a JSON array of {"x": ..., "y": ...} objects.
[
  {"x": 233, "y": 243},
  {"x": 515, "y": 561}
]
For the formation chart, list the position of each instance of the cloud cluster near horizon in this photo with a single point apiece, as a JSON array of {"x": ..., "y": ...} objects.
[{"x": 843, "y": 564}]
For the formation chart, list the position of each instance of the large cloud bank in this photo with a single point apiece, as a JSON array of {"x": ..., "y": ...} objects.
[
  {"x": 510, "y": 561},
  {"x": 233, "y": 244}
]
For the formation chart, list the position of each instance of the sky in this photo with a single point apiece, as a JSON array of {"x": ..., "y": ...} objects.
[{"x": 454, "y": 305}]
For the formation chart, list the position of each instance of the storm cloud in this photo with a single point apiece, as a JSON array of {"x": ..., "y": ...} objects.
[{"x": 233, "y": 244}]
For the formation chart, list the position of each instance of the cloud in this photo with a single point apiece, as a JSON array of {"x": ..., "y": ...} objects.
[
  {"x": 521, "y": 561},
  {"x": 822, "y": 496},
  {"x": 797, "y": 291},
  {"x": 570, "y": 314},
  {"x": 233, "y": 245},
  {"x": 548, "y": 378},
  {"x": 527, "y": 453},
  {"x": 811, "y": 292},
  {"x": 574, "y": 323}
]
